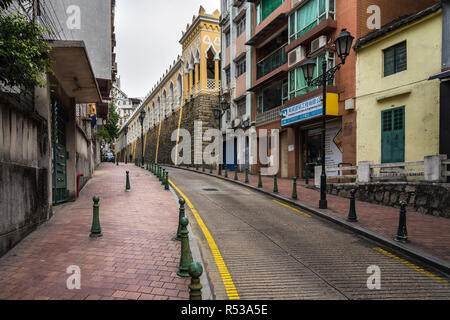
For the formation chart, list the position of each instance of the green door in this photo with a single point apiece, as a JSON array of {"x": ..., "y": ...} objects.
[
  {"x": 59, "y": 154},
  {"x": 393, "y": 135}
]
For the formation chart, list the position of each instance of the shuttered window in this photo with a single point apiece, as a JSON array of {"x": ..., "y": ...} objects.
[{"x": 395, "y": 59}]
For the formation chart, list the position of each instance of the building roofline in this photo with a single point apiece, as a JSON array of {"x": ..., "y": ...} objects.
[{"x": 395, "y": 25}]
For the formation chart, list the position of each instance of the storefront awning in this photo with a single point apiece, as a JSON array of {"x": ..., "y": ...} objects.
[{"x": 70, "y": 62}]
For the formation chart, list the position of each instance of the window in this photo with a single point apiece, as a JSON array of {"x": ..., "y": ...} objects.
[
  {"x": 395, "y": 59},
  {"x": 393, "y": 135},
  {"x": 241, "y": 107},
  {"x": 297, "y": 82},
  {"x": 240, "y": 67},
  {"x": 228, "y": 76},
  {"x": 271, "y": 97},
  {"x": 265, "y": 7},
  {"x": 309, "y": 16},
  {"x": 273, "y": 61},
  {"x": 227, "y": 39},
  {"x": 240, "y": 26}
]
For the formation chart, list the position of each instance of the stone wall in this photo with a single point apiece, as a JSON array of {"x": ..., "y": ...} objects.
[
  {"x": 198, "y": 109},
  {"x": 425, "y": 198}
]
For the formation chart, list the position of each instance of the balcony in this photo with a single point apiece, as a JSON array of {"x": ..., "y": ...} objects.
[{"x": 271, "y": 62}]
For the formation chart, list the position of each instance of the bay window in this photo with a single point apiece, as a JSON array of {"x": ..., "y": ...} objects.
[
  {"x": 309, "y": 16},
  {"x": 297, "y": 82},
  {"x": 265, "y": 7}
]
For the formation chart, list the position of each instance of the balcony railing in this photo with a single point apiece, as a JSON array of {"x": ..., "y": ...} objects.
[{"x": 275, "y": 60}]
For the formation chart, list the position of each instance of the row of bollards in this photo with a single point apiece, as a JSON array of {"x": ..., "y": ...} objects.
[
  {"x": 188, "y": 268},
  {"x": 402, "y": 232}
]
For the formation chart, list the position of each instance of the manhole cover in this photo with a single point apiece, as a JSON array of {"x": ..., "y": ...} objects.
[{"x": 210, "y": 190}]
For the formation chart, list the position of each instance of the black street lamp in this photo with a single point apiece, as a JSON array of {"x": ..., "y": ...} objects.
[
  {"x": 126, "y": 144},
  {"x": 343, "y": 45},
  {"x": 141, "y": 118}
]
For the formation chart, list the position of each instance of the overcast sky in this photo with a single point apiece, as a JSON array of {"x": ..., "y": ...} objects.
[{"x": 147, "y": 34}]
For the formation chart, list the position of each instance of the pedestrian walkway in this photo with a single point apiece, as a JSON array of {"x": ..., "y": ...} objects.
[
  {"x": 427, "y": 233},
  {"x": 135, "y": 258}
]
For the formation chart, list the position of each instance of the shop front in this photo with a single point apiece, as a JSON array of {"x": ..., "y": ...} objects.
[{"x": 305, "y": 120}]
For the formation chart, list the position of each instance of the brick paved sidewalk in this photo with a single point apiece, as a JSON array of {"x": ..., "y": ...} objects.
[
  {"x": 427, "y": 233},
  {"x": 135, "y": 258}
]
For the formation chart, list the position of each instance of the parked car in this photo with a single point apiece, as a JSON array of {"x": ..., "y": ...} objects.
[{"x": 108, "y": 157}]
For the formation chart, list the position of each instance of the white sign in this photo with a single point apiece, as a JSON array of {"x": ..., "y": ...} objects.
[{"x": 302, "y": 111}]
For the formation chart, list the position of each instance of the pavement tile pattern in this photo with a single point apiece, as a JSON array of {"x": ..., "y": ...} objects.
[{"x": 134, "y": 260}]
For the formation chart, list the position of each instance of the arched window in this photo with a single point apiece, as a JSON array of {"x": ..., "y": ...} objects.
[
  {"x": 180, "y": 89},
  {"x": 164, "y": 103},
  {"x": 171, "y": 97}
]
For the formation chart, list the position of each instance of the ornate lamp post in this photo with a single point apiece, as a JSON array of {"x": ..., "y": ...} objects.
[
  {"x": 343, "y": 45},
  {"x": 141, "y": 118},
  {"x": 218, "y": 114},
  {"x": 126, "y": 144}
]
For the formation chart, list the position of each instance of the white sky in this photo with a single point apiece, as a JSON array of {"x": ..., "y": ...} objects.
[{"x": 147, "y": 34}]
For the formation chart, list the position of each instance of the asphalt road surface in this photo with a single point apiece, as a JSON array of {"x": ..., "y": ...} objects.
[{"x": 274, "y": 252}]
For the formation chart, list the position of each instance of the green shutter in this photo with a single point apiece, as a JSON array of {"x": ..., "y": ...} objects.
[{"x": 393, "y": 135}]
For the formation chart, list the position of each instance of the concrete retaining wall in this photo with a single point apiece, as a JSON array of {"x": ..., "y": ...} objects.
[{"x": 24, "y": 171}]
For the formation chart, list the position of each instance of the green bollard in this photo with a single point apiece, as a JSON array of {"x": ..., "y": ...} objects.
[
  {"x": 275, "y": 184},
  {"x": 195, "y": 271},
  {"x": 226, "y": 172},
  {"x": 163, "y": 178},
  {"x": 203, "y": 167},
  {"x": 236, "y": 174},
  {"x": 127, "y": 186},
  {"x": 210, "y": 169},
  {"x": 196, "y": 167},
  {"x": 246, "y": 175},
  {"x": 294, "y": 191},
  {"x": 96, "y": 230},
  {"x": 352, "y": 212},
  {"x": 402, "y": 233},
  {"x": 186, "y": 258},
  {"x": 181, "y": 214},
  {"x": 260, "y": 185},
  {"x": 220, "y": 170},
  {"x": 166, "y": 186}
]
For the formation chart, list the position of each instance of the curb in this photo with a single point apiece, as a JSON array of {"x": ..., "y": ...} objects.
[
  {"x": 439, "y": 264},
  {"x": 207, "y": 293}
]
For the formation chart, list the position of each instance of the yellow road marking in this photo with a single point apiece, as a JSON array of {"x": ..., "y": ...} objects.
[
  {"x": 223, "y": 270},
  {"x": 296, "y": 210},
  {"x": 218, "y": 179},
  {"x": 409, "y": 264}
]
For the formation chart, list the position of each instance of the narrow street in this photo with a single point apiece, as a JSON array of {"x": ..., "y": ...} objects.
[{"x": 274, "y": 252}]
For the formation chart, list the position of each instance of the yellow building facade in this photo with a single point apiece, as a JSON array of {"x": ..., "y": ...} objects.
[
  {"x": 398, "y": 107},
  {"x": 196, "y": 71}
]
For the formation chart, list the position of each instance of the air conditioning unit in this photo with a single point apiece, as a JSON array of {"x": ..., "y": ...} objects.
[
  {"x": 296, "y": 55},
  {"x": 318, "y": 43}
]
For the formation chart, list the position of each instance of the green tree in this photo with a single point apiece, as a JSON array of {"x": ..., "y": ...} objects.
[
  {"x": 111, "y": 130},
  {"x": 112, "y": 125},
  {"x": 23, "y": 53}
]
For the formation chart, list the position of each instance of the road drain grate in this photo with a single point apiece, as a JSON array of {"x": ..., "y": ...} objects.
[{"x": 210, "y": 190}]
